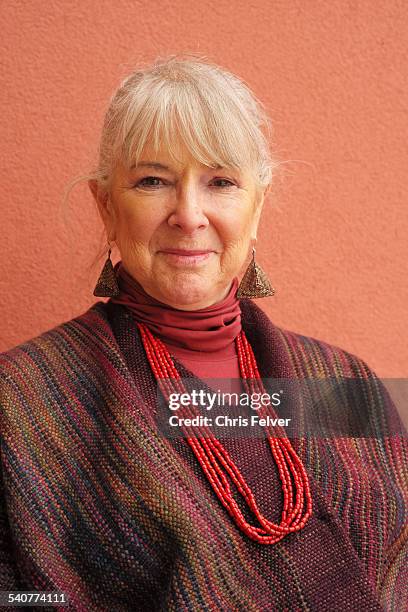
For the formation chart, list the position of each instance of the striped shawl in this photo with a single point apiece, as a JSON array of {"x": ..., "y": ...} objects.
[{"x": 96, "y": 504}]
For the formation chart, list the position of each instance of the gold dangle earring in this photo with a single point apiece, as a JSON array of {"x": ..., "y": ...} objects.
[
  {"x": 107, "y": 285},
  {"x": 255, "y": 283}
]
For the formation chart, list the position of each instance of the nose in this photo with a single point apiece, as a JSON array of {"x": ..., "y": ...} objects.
[{"x": 188, "y": 213}]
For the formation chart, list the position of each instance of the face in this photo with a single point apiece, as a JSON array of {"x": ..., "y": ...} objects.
[{"x": 184, "y": 230}]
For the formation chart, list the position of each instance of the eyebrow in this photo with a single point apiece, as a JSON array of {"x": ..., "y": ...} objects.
[
  {"x": 158, "y": 165},
  {"x": 150, "y": 165}
]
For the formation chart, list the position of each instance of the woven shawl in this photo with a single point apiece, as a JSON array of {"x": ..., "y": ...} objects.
[{"x": 96, "y": 504}]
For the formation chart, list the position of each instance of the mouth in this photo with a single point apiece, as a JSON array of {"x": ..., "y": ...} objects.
[
  {"x": 183, "y": 257},
  {"x": 187, "y": 251}
]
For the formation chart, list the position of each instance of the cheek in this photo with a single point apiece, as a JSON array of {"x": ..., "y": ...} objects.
[
  {"x": 236, "y": 242},
  {"x": 237, "y": 227},
  {"x": 137, "y": 224}
]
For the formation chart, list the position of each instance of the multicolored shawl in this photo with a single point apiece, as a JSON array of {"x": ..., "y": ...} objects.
[{"x": 96, "y": 504}]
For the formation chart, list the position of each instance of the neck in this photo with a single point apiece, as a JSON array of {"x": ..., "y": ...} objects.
[{"x": 207, "y": 329}]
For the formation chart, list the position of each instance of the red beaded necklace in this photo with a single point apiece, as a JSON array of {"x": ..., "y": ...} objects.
[{"x": 213, "y": 457}]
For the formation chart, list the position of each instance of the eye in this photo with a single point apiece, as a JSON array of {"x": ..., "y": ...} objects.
[
  {"x": 227, "y": 183},
  {"x": 148, "y": 178}
]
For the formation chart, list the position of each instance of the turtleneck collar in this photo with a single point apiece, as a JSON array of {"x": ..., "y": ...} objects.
[{"x": 209, "y": 329}]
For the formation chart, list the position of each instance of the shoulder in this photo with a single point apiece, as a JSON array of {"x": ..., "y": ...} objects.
[
  {"x": 57, "y": 346},
  {"x": 56, "y": 371},
  {"x": 324, "y": 358},
  {"x": 332, "y": 371},
  {"x": 306, "y": 356}
]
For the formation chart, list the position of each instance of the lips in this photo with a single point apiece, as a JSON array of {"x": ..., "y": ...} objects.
[
  {"x": 186, "y": 258},
  {"x": 186, "y": 252}
]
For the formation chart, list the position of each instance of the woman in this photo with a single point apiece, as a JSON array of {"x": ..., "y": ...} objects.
[{"x": 96, "y": 503}]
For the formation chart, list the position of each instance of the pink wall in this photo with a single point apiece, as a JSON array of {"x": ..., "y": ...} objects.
[{"x": 334, "y": 78}]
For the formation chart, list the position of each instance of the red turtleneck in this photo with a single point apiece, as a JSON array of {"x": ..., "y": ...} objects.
[{"x": 203, "y": 340}]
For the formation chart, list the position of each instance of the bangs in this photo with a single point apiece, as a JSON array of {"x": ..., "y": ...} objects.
[{"x": 208, "y": 123}]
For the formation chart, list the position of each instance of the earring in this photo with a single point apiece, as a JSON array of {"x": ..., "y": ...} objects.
[
  {"x": 255, "y": 283},
  {"x": 107, "y": 285}
]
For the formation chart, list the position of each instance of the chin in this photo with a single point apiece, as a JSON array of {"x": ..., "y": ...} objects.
[{"x": 187, "y": 290}]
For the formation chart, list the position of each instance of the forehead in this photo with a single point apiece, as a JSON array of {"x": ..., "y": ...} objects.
[
  {"x": 177, "y": 154},
  {"x": 180, "y": 146},
  {"x": 179, "y": 157}
]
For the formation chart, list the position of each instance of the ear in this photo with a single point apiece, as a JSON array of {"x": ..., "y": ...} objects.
[
  {"x": 105, "y": 208},
  {"x": 257, "y": 215}
]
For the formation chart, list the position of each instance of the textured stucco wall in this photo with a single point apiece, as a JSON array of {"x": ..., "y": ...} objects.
[{"x": 334, "y": 78}]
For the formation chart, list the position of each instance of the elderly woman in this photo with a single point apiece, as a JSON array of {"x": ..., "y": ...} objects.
[{"x": 97, "y": 505}]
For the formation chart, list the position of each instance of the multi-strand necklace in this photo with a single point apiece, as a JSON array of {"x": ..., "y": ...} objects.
[{"x": 217, "y": 463}]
